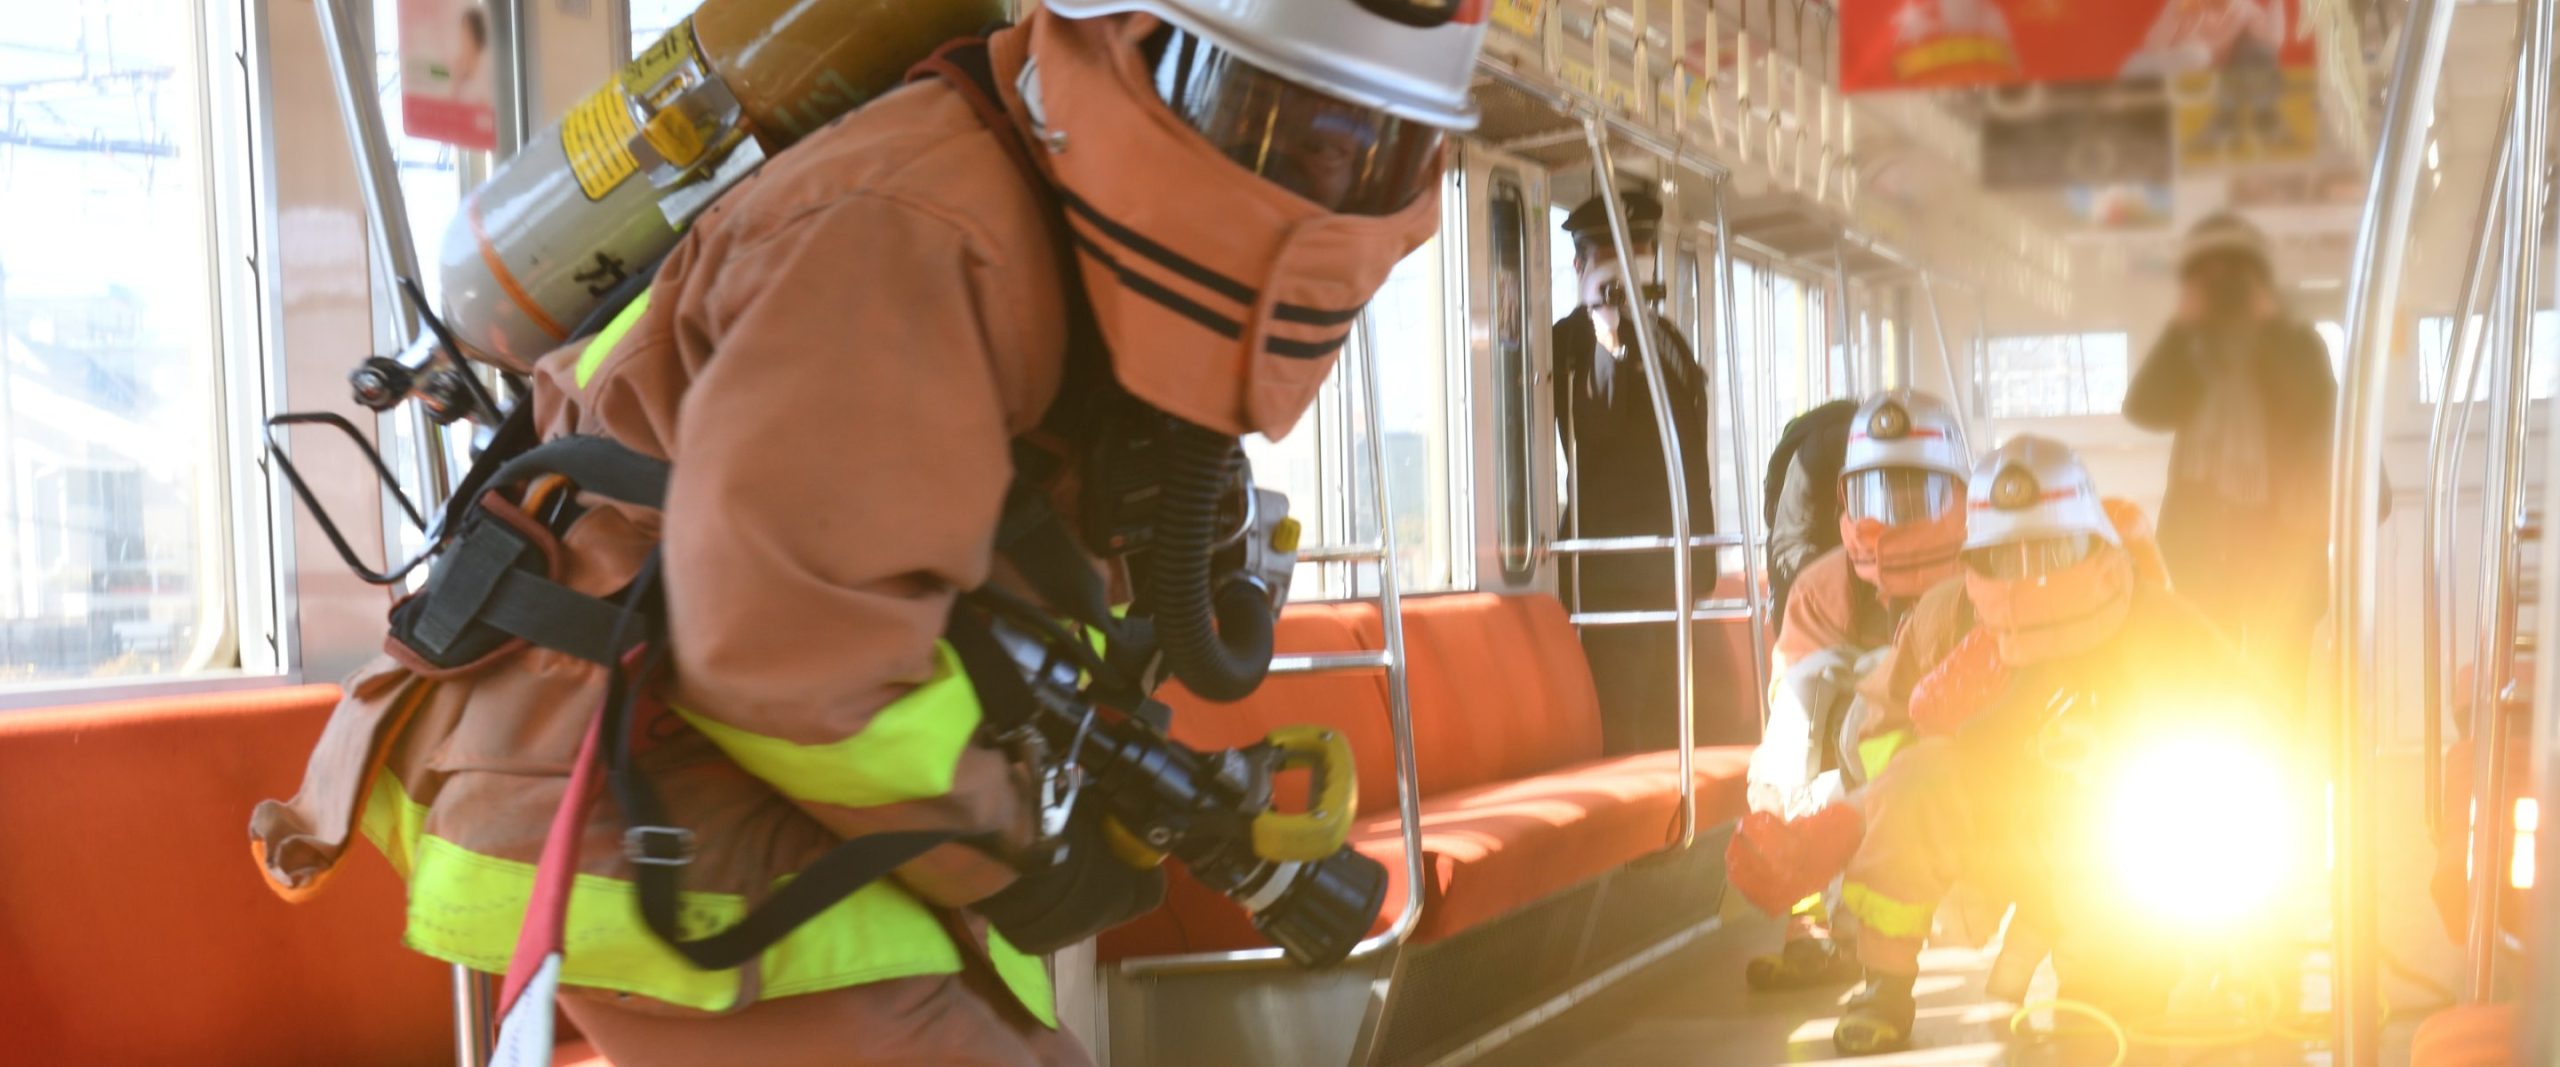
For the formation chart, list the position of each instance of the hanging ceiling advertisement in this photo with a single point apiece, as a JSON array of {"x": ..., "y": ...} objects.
[{"x": 1931, "y": 44}]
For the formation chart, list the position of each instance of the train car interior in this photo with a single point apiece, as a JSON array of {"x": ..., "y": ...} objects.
[{"x": 273, "y": 274}]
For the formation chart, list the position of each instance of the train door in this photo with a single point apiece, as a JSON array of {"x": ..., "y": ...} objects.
[{"x": 1508, "y": 367}]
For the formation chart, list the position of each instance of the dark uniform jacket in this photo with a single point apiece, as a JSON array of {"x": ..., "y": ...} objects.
[{"x": 1618, "y": 487}]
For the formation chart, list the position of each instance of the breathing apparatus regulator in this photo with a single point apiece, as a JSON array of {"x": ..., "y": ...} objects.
[{"x": 567, "y": 235}]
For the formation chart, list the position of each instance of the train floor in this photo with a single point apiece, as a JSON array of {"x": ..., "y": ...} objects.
[{"x": 1692, "y": 1008}]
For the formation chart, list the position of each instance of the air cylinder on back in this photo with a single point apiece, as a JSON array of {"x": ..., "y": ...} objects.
[{"x": 594, "y": 200}]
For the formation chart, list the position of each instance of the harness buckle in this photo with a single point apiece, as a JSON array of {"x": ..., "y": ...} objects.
[{"x": 658, "y": 846}]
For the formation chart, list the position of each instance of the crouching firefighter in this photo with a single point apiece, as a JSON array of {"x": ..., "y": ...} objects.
[
  {"x": 788, "y": 572},
  {"x": 2062, "y": 644},
  {"x": 1901, "y": 490}
]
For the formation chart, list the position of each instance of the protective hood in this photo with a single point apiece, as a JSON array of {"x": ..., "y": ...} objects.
[
  {"x": 1903, "y": 561},
  {"x": 2057, "y": 614},
  {"x": 1225, "y": 299}
]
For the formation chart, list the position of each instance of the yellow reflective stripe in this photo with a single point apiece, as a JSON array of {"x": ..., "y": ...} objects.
[
  {"x": 1026, "y": 976},
  {"x": 600, "y": 347},
  {"x": 910, "y": 751},
  {"x": 1884, "y": 914},
  {"x": 1875, "y": 752},
  {"x": 468, "y": 908},
  {"x": 1811, "y": 905},
  {"x": 393, "y": 822}
]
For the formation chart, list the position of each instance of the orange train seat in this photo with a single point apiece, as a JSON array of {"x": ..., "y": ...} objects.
[
  {"x": 135, "y": 927},
  {"x": 1517, "y": 801},
  {"x": 2468, "y": 1035}
]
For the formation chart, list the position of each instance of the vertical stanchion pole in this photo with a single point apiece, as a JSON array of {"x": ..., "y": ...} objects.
[
  {"x": 1851, "y": 352},
  {"x": 2493, "y": 672},
  {"x": 1657, "y": 379},
  {"x": 1946, "y": 356},
  {"x": 1736, "y": 410},
  {"x": 2448, "y": 429},
  {"x": 395, "y": 255},
  {"x": 2355, "y": 510}
]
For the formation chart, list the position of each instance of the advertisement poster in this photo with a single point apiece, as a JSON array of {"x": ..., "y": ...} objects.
[
  {"x": 2123, "y": 206},
  {"x": 2246, "y": 117},
  {"x": 444, "y": 73},
  {"x": 1912, "y": 44},
  {"x": 2078, "y": 145}
]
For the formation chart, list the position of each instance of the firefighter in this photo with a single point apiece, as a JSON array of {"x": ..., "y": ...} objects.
[
  {"x": 1901, "y": 487},
  {"x": 2062, "y": 633},
  {"x": 838, "y": 364}
]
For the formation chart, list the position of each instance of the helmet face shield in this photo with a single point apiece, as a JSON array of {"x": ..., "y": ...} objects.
[
  {"x": 2034, "y": 558},
  {"x": 1346, "y": 158},
  {"x": 1897, "y": 496}
]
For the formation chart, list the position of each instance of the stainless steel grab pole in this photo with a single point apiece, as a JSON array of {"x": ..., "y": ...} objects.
[
  {"x": 1946, "y": 356},
  {"x": 2355, "y": 510},
  {"x": 2541, "y": 1037},
  {"x": 2447, "y": 429},
  {"x": 395, "y": 256},
  {"x": 1738, "y": 413},
  {"x": 1657, "y": 379},
  {"x": 2494, "y": 671}
]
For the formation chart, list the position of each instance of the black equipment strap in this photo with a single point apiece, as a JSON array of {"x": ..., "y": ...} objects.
[{"x": 657, "y": 848}]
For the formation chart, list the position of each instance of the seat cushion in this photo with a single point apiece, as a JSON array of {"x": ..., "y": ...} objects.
[
  {"x": 1501, "y": 846},
  {"x": 1486, "y": 850},
  {"x": 136, "y": 928},
  {"x": 1500, "y": 690},
  {"x": 1354, "y": 702},
  {"x": 2469, "y": 1035}
]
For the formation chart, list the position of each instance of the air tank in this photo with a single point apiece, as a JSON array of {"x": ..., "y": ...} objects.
[{"x": 598, "y": 197}]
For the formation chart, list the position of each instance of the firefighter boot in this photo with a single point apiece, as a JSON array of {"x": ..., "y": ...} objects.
[{"x": 1878, "y": 1019}]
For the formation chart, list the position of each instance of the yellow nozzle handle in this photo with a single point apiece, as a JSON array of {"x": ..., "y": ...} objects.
[{"x": 1320, "y": 831}]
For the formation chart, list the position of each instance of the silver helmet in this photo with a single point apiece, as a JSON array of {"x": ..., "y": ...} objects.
[
  {"x": 1906, "y": 459},
  {"x": 2031, "y": 507},
  {"x": 1319, "y": 86}
]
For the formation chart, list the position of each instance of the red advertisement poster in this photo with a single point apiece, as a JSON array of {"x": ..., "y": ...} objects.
[
  {"x": 444, "y": 73},
  {"x": 1920, "y": 44}
]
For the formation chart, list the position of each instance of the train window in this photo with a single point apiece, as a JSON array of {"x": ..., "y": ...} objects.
[
  {"x": 2052, "y": 375},
  {"x": 111, "y": 456},
  {"x": 2436, "y": 331},
  {"x": 1515, "y": 380},
  {"x": 1408, "y": 321},
  {"x": 1322, "y": 465},
  {"x": 430, "y": 171},
  {"x": 650, "y": 19}
]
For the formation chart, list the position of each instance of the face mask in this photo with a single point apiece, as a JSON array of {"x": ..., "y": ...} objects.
[
  {"x": 1905, "y": 561},
  {"x": 2059, "y": 613},
  {"x": 1225, "y": 299}
]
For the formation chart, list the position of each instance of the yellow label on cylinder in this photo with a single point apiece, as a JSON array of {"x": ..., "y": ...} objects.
[
  {"x": 674, "y": 136},
  {"x": 596, "y": 136},
  {"x": 650, "y": 77}
]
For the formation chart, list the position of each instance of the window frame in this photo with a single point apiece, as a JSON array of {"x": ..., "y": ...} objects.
[
  {"x": 2081, "y": 403},
  {"x": 244, "y": 593}
]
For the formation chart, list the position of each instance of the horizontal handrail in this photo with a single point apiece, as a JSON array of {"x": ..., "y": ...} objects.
[
  {"x": 1601, "y": 546},
  {"x": 1329, "y": 662},
  {"x": 1706, "y": 611},
  {"x": 1365, "y": 552}
]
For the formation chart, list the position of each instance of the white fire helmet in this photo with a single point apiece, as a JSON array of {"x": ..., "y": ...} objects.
[
  {"x": 1905, "y": 429},
  {"x": 2032, "y": 489},
  {"x": 1412, "y": 59},
  {"x": 1906, "y": 460}
]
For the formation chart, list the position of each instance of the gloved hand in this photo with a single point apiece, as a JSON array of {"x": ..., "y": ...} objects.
[
  {"x": 1776, "y": 862},
  {"x": 1962, "y": 685},
  {"x": 1088, "y": 891}
]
